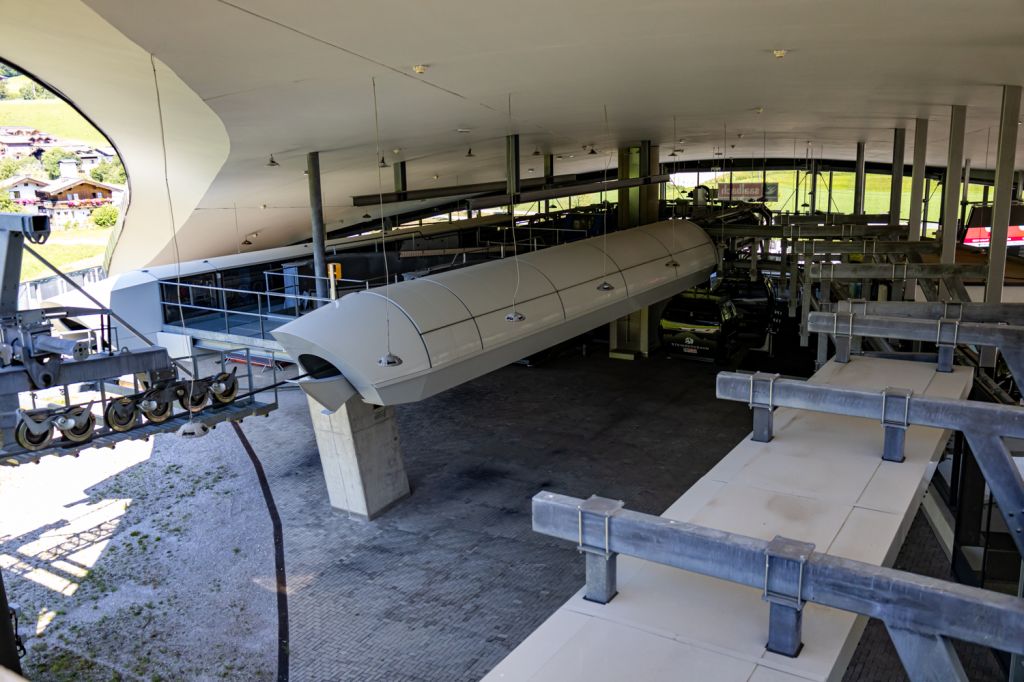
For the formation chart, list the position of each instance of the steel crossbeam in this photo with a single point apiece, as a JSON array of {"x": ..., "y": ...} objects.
[
  {"x": 920, "y": 612},
  {"x": 944, "y": 332},
  {"x": 984, "y": 425}
]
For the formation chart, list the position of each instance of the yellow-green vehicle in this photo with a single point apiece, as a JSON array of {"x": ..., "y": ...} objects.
[{"x": 700, "y": 325}]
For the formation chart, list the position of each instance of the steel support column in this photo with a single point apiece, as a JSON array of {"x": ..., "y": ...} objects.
[
  {"x": 512, "y": 175},
  {"x": 899, "y": 143},
  {"x": 965, "y": 191},
  {"x": 401, "y": 181},
  {"x": 858, "y": 182},
  {"x": 1005, "y": 156},
  {"x": 316, "y": 209},
  {"x": 954, "y": 162}
]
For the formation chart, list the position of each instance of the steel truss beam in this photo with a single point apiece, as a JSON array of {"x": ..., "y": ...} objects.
[
  {"x": 921, "y": 612},
  {"x": 867, "y": 247},
  {"x": 984, "y": 425},
  {"x": 802, "y": 232},
  {"x": 892, "y": 271}
]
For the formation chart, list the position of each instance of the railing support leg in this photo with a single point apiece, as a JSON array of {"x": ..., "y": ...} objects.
[
  {"x": 927, "y": 657},
  {"x": 785, "y": 628},
  {"x": 601, "y": 577}
]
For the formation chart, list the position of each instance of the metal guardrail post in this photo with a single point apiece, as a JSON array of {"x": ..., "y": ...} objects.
[
  {"x": 922, "y": 612},
  {"x": 601, "y": 562},
  {"x": 785, "y": 616},
  {"x": 762, "y": 406},
  {"x": 983, "y": 424}
]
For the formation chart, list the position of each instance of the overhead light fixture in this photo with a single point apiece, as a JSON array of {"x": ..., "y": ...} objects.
[
  {"x": 463, "y": 130},
  {"x": 529, "y": 170},
  {"x": 592, "y": 151},
  {"x": 263, "y": 207},
  {"x": 389, "y": 360},
  {"x": 470, "y": 154},
  {"x": 605, "y": 286},
  {"x": 436, "y": 177},
  {"x": 779, "y": 54},
  {"x": 272, "y": 162},
  {"x": 559, "y": 156},
  {"x": 396, "y": 151},
  {"x": 366, "y": 216},
  {"x": 536, "y": 152},
  {"x": 759, "y": 110},
  {"x": 383, "y": 163},
  {"x": 420, "y": 69},
  {"x": 247, "y": 242},
  {"x": 515, "y": 316},
  {"x": 673, "y": 153}
]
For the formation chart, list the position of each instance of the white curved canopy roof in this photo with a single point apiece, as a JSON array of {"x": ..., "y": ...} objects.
[{"x": 289, "y": 78}]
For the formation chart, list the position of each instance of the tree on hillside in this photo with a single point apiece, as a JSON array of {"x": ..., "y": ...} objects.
[
  {"x": 52, "y": 158},
  {"x": 28, "y": 165},
  {"x": 110, "y": 172},
  {"x": 105, "y": 216},
  {"x": 7, "y": 204},
  {"x": 3, "y": 90},
  {"x": 9, "y": 168},
  {"x": 35, "y": 91}
]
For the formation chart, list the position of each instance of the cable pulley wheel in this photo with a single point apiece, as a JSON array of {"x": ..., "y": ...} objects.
[
  {"x": 29, "y": 440},
  {"x": 121, "y": 415},
  {"x": 193, "y": 403},
  {"x": 79, "y": 434},
  {"x": 230, "y": 382},
  {"x": 159, "y": 414}
]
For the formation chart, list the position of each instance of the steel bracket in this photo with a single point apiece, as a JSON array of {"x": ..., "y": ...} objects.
[
  {"x": 895, "y": 426},
  {"x": 945, "y": 342},
  {"x": 762, "y": 405},
  {"x": 601, "y": 561},
  {"x": 784, "y": 564}
]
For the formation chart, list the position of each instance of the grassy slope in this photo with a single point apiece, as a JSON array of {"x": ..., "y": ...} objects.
[
  {"x": 53, "y": 116},
  {"x": 69, "y": 250}
]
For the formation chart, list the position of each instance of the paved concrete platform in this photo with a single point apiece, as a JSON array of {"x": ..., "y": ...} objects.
[{"x": 441, "y": 588}]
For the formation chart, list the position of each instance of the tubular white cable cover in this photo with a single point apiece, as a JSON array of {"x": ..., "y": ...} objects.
[{"x": 450, "y": 328}]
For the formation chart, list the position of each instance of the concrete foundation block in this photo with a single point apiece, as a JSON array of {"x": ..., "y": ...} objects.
[{"x": 361, "y": 457}]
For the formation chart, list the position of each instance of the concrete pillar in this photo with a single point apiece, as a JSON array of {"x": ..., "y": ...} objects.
[
  {"x": 899, "y": 143},
  {"x": 359, "y": 452},
  {"x": 316, "y": 209},
  {"x": 813, "y": 190},
  {"x": 954, "y": 162},
  {"x": 630, "y": 337},
  {"x": 1005, "y": 156},
  {"x": 858, "y": 181},
  {"x": 512, "y": 176},
  {"x": 549, "y": 177},
  {"x": 401, "y": 181}
]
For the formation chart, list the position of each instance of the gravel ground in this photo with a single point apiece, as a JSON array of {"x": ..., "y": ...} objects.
[{"x": 151, "y": 561}]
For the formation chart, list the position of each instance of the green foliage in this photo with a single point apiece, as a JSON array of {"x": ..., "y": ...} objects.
[
  {"x": 54, "y": 116},
  {"x": 27, "y": 166},
  {"x": 33, "y": 90},
  {"x": 7, "y": 71},
  {"x": 110, "y": 172},
  {"x": 52, "y": 158},
  {"x": 3, "y": 90},
  {"x": 105, "y": 216},
  {"x": 7, "y": 204}
]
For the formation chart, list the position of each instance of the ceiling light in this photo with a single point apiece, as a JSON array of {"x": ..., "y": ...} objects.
[
  {"x": 673, "y": 153},
  {"x": 305, "y": 172},
  {"x": 779, "y": 54},
  {"x": 246, "y": 242},
  {"x": 759, "y": 110},
  {"x": 263, "y": 207},
  {"x": 396, "y": 151},
  {"x": 436, "y": 177},
  {"x": 272, "y": 163},
  {"x": 559, "y": 157},
  {"x": 536, "y": 152},
  {"x": 470, "y": 154},
  {"x": 366, "y": 216},
  {"x": 421, "y": 68},
  {"x": 463, "y": 130},
  {"x": 383, "y": 163},
  {"x": 592, "y": 151},
  {"x": 529, "y": 170}
]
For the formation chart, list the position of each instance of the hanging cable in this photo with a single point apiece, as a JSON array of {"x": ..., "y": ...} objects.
[
  {"x": 174, "y": 241},
  {"x": 389, "y": 359},
  {"x": 605, "y": 285},
  {"x": 514, "y": 315}
]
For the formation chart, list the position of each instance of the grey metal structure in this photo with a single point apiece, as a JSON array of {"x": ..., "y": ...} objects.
[
  {"x": 920, "y": 613},
  {"x": 1005, "y": 156},
  {"x": 944, "y": 324},
  {"x": 954, "y": 162},
  {"x": 983, "y": 424}
]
